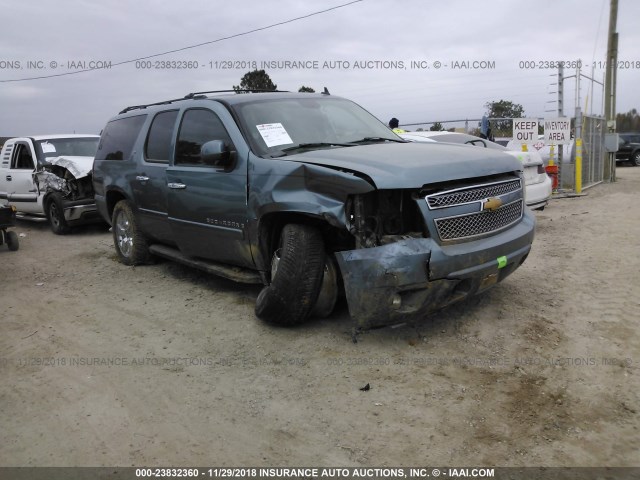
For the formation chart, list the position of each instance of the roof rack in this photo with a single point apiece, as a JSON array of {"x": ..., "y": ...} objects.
[
  {"x": 135, "y": 107},
  {"x": 242, "y": 90},
  {"x": 196, "y": 95}
]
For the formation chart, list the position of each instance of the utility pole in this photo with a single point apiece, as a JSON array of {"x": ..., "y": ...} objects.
[
  {"x": 560, "y": 115},
  {"x": 577, "y": 175},
  {"x": 610, "y": 87}
]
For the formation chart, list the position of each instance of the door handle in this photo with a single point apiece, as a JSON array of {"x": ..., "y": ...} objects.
[
  {"x": 142, "y": 178},
  {"x": 176, "y": 186},
  {"x": 8, "y": 178}
]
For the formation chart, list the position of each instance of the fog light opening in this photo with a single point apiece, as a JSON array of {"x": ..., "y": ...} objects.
[{"x": 463, "y": 288}]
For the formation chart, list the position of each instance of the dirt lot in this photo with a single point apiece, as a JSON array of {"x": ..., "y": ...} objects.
[{"x": 106, "y": 365}]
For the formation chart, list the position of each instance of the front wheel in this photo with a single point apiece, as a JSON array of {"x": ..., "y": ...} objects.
[
  {"x": 131, "y": 244},
  {"x": 297, "y": 268},
  {"x": 635, "y": 159},
  {"x": 55, "y": 214},
  {"x": 12, "y": 241}
]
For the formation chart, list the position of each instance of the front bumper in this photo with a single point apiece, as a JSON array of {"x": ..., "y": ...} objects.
[
  {"x": 538, "y": 194},
  {"x": 81, "y": 211},
  {"x": 406, "y": 280}
]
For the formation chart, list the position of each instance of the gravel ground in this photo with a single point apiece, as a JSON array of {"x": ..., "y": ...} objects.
[{"x": 108, "y": 365}]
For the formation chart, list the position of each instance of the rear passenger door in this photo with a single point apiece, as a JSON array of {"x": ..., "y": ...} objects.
[
  {"x": 208, "y": 204},
  {"x": 150, "y": 182}
]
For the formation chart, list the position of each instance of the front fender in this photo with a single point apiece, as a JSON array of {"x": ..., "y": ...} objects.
[
  {"x": 283, "y": 186},
  {"x": 298, "y": 190}
]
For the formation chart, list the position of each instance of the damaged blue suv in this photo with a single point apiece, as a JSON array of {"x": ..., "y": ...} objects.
[{"x": 312, "y": 197}]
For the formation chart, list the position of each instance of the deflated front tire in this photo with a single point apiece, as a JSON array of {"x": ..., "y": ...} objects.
[{"x": 297, "y": 267}]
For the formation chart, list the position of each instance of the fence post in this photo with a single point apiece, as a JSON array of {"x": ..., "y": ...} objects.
[
  {"x": 578, "y": 174},
  {"x": 577, "y": 177}
]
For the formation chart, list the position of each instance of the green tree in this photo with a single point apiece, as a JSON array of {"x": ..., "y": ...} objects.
[
  {"x": 436, "y": 127},
  {"x": 306, "y": 89},
  {"x": 503, "y": 109},
  {"x": 628, "y": 122},
  {"x": 255, "y": 80}
]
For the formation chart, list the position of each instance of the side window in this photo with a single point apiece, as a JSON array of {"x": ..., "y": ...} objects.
[
  {"x": 158, "y": 146},
  {"x": 22, "y": 158},
  {"x": 118, "y": 138},
  {"x": 198, "y": 127}
]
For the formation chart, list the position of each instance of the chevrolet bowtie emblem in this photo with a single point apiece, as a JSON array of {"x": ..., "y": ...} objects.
[{"x": 492, "y": 204}]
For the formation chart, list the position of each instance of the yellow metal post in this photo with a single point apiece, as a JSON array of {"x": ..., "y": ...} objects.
[
  {"x": 551, "y": 164},
  {"x": 578, "y": 175}
]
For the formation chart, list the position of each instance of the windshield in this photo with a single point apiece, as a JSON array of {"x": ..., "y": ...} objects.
[
  {"x": 278, "y": 127},
  {"x": 68, "y": 147}
]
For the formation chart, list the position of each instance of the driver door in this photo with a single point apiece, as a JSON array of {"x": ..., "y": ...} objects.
[
  {"x": 21, "y": 189},
  {"x": 207, "y": 203}
]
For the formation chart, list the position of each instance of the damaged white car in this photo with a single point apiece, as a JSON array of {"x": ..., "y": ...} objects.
[{"x": 50, "y": 176}]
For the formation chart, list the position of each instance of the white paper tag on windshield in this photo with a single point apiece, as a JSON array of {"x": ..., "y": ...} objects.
[
  {"x": 274, "y": 134},
  {"x": 48, "y": 147}
]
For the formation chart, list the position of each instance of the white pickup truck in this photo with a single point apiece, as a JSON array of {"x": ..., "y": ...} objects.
[{"x": 50, "y": 176}]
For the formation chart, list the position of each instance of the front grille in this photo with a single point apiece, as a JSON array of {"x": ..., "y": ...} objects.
[
  {"x": 479, "y": 223},
  {"x": 471, "y": 194}
]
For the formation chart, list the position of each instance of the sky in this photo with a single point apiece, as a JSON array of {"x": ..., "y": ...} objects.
[{"x": 416, "y": 60}]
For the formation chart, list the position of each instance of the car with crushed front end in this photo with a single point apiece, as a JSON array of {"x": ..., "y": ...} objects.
[
  {"x": 49, "y": 176},
  {"x": 313, "y": 197}
]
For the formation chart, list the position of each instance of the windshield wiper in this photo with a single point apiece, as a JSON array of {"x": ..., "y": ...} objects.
[
  {"x": 378, "y": 139},
  {"x": 316, "y": 145}
]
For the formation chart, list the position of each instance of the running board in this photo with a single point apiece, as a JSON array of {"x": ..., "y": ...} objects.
[{"x": 237, "y": 274}]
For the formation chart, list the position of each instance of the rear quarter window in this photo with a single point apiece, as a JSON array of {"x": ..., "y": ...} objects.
[{"x": 118, "y": 138}]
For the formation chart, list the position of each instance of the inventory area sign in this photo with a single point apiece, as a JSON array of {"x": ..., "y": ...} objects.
[
  {"x": 557, "y": 131},
  {"x": 525, "y": 130}
]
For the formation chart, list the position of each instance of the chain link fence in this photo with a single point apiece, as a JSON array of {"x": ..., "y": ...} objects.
[
  {"x": 593, "y": 156},
  {"x": 593, "y": 151}
]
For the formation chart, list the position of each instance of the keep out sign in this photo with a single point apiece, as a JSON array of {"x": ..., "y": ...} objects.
[{"x": 525, "y": 130}]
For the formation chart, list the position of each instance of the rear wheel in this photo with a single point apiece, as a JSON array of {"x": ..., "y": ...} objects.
[
  {"x": 635, "y": 159},
  {"x": 12, "y": 241},
  {"x": 297, "y": 267},
  {"x": 131, "y": 244},
  {"x": 55, "y": 214}
]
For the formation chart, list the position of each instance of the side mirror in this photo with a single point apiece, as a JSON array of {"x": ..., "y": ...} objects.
[{"x": 217, "y": 154}]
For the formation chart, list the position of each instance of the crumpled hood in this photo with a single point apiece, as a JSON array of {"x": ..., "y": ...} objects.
[
  {"x": 412, "y": 165},
  {"x": 78, "y": 166}
]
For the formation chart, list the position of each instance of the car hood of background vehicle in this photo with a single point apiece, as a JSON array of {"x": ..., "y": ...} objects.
[
  {"x": 78, "y": 166},
  {"x": 412, "y": 165},
  {"x": 528, "y": 159}
]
